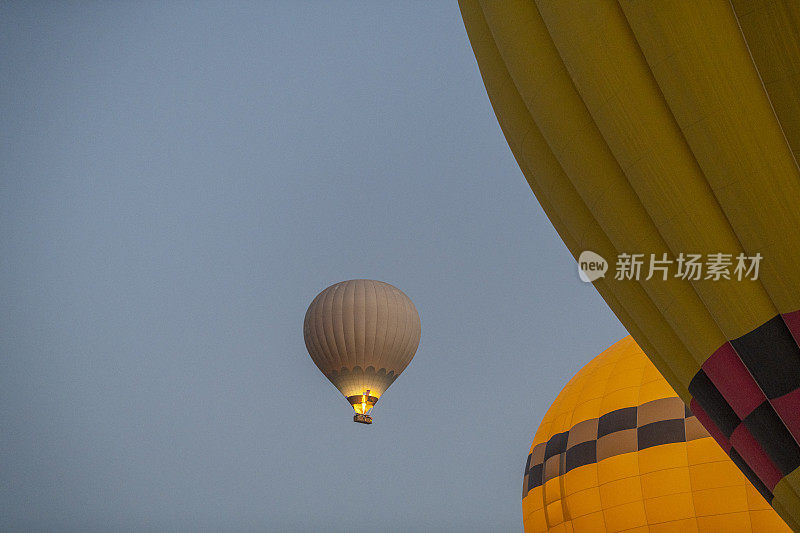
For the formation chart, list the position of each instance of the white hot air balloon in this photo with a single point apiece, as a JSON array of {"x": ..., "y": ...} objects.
[{"x": 361, "y": 334}]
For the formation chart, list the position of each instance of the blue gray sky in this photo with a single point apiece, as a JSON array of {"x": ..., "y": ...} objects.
[{"x": 178, "y": 180}]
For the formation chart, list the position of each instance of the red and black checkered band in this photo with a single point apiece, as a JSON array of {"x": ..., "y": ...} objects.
[{"x": 747, "y": 395}]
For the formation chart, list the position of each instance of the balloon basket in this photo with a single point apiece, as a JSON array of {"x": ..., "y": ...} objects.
[{"x": 362, "y": 419}]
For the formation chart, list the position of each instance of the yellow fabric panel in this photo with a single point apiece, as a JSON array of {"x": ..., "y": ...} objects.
[
  {"x": 584, "y": 502},
  {"x": 554, "y": 513},
  {"x": 619, "y": 399},
  {"x": 596, "y": 387},
  {"x": 655, "y": 390},
  {"x": 772, "y": 31},
  {"x": 627, "y": 107},
  {"x": 717, "y": 98},
  {"x": 580, "y": 479},
  {"x": 620, "y": 492},
  {"x": 704, "y": 451},
  {"x": 665, "y": 482},
  {"x": 576, "y": 227},
  {"x": 710, "y": 475},
  {"x": 590, "y": 523},
  {"x": 625, "y": 378},
  {"x": 786, "y": 515},
  {"x": 785, "y": 501},
  {"x": 561, "y": 117},
  {"x": 681, "y": 486},
  {"x": 661, "y": 457},
  {"x": 787, "y": 496},
  {"x": 625, "y": 516},
  {"x": 561, "y": 423},
  {"x": 687, "y": 525},
  {"x": 588, "y": 409},
  {"x": 552, "y": 491},
  {"x": 793, "y": 480},
  {"x": 536, "y": 523},
  {"x": 617, "y": 467},
  {"x": 533, "y": 501},
  {"x": 720, "y": 500},
  {"x": 668, "y": 508},
  {"x": 729, "y": 523}
]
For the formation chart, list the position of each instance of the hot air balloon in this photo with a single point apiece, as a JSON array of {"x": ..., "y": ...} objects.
[
  {"x": 669, "y": 129},
  {"x": 619, "y": 451},
  {"x": 361, "y": 334}
]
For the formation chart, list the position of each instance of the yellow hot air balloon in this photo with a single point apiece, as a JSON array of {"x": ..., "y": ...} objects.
[
  {"x": 362, "y": 334},
  {"x": 671, "y": 129},
  {"x": 618, "y": 451}
]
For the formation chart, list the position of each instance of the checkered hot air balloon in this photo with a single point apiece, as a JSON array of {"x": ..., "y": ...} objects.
[{"x": 669, "y": 128}]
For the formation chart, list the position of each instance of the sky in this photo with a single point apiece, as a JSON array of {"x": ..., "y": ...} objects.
[{"x": 178, "y": 180}]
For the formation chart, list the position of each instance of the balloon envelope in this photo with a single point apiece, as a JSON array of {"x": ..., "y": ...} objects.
[
  {"x": 361, "y": 334},
  {"x": 671, "y": 129},
  {"x": 618, "y": 451}
]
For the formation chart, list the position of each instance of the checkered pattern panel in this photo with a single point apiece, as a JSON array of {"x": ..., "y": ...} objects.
[
  {"x": 747, "y": 395},
  {"x": 630, "y": 429}
]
